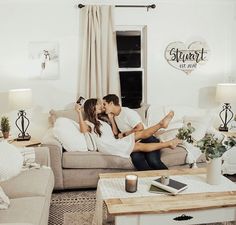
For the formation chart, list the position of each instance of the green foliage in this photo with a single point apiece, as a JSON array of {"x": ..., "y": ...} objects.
[
  {"x": 5, "y": 125},
  {"x": 210, "y": 145},
  {"x": 184, "y": 133}
]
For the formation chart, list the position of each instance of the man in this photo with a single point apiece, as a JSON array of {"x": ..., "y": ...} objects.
[{"x": 126, "y": 121}]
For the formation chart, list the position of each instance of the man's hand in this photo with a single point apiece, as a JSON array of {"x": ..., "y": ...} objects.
[
  {"x": 121, "y": 135},
  {"x": 110, "y": 116}
]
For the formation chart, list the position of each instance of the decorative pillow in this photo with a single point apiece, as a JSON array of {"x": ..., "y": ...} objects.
[
  {"x": 168, "y": 135},
  {"x": 182, "y": 110},
  {"x": 91, "y": 144},
  {"x": 67, "y": 113},
  {"x": 4, "y": 200},
  {"x": 68, "y": 133},
  {"x": 11, "y": 161}
]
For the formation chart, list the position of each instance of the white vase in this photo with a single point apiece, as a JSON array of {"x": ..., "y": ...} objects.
[{"x": 214, "y": 171}]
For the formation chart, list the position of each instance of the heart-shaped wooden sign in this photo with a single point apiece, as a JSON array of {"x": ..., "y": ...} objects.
[{"x": 188, "y": 58}]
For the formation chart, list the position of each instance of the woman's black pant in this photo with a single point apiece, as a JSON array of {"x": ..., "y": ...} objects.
[{"x": 148, "y": 160}]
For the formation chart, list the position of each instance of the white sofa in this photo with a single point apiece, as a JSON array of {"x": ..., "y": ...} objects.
[{"x": 76, "y": 169}]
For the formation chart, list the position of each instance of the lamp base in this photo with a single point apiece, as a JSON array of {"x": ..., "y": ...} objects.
[
  {"x": 23, "y": 138},
  {"x": 224, "y": 129}
]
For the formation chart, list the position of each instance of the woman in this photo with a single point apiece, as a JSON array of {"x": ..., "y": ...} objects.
[{"x": 105, "y": 139}]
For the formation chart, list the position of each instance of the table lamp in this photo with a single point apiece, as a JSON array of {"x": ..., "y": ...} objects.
[
  {"x": 21, "y": 99},
  {"x": 226, "y": 94}
]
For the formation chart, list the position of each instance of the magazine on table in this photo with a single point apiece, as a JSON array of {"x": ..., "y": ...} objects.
[{"x": 173, "y": 186}]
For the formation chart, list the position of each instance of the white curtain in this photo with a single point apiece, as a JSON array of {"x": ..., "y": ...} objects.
[{"x": 99, "y": 67}]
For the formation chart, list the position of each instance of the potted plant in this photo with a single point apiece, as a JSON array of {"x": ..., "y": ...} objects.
[
  {"x": 213, "y": 146},
  {"x": 5, "y": 127}
]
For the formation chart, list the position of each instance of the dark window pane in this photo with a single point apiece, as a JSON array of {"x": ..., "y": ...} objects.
[
  {"x": 128, "y": 43},
  {"x": 129, "y": 49},
  {"x": 131, "y": 88}
]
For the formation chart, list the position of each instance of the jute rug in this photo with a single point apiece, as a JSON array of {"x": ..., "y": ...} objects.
[
  {"x": 72, "y": 208},
  {"x": 77, "y": 208}
]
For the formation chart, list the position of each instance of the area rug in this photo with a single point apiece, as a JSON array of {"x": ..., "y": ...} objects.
[
  {"x": 77, "y": 208},
  {"x": 72, "y": 208}
]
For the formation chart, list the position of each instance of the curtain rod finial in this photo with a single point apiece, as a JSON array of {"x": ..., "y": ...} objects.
[
  {"x": 81, "y": 6},
  {"x": 153, "y": 6}
]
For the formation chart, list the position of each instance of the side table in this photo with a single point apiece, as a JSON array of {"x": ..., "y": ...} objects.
[{"x": 30, "y": 143}]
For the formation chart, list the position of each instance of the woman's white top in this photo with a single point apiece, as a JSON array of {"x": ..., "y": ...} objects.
[{"x": 108, "y": 144}]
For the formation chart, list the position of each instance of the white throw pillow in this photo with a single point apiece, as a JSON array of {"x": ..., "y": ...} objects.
[
  {"x": 11, "y": 161},
  {"x": 68, "y": 133},
  {"x": 168, "y": 135},
  {"x": 4, "y": 200}
]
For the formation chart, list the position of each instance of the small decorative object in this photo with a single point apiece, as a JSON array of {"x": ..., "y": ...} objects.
[
  {"x": 5, "y": 127},
  {"x": 187, "y": 58},
  {"x": 213, "y": 146},
  {"x": 165, "y": 180},
  {"x": 21, "y": 99},
  {"x": 226, "y": 94},
  {"x": 131, "y": 183}
]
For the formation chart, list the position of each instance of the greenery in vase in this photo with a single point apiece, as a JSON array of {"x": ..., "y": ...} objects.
[
  {"x": 184, "y": 133},
  {"x": 5, "y": 124},
  {"x": 211, "y": 145}
]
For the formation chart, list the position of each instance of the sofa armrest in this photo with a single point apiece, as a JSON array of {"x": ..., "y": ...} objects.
[
  {"x": 42, "y": 156},
  {"x": 55, "y": 152}
]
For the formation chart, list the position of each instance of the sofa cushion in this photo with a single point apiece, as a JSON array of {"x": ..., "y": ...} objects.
[
  {"x": 173, "y": 157},
  {"x": 68, "y": 113},
  {"x": 32, "y": 182},
  {"x": 93, "y": 160},
  {"x": 23, "y": 210},
  {"x": 177, "y": 157}
]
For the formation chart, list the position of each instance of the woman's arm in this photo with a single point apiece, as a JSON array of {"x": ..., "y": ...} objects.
[{"x": 83, "y": 125}]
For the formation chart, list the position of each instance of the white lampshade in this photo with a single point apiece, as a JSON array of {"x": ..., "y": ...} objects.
[
  {"x": 226, "y": 93},
  {"x": 20, "y": 99}
]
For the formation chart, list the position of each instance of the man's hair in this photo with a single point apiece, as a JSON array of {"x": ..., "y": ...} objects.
[{"x": 112, "y": 98}]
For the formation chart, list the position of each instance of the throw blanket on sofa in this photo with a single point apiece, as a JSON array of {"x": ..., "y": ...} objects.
[{"x": 29, "y": 158}]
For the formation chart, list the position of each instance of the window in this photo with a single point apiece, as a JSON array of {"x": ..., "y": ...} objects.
[{"x": 131, "y": 58}]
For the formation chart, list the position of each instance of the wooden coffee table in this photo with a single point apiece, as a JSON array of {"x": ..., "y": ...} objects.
[{"x": 193, "y": 208}]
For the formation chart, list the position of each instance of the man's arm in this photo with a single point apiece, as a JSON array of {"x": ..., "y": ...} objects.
[{"x": 113, "y": 124}]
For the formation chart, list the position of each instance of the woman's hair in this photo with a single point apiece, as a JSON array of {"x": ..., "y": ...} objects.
[{"x": 90, "y": 113}]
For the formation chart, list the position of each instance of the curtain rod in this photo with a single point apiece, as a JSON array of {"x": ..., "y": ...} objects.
[{"x": 152, "y": 6}]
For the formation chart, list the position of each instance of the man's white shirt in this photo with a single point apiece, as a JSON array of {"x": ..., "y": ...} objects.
[{"x": 127, "y": 119}]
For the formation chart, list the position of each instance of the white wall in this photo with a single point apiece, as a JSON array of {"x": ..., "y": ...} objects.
[{"x": 213, "y": 21}]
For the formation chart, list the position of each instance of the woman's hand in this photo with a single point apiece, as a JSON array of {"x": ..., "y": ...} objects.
[{"x": 78, "y": 107}]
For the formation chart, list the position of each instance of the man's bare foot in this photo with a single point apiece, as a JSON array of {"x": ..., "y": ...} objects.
[
  {"x": 166, "y": 120},
  {"x": 174, "y": 142}
]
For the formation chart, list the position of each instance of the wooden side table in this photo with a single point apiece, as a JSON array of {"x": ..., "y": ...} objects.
[
  {"x": 230, "y": 133},
  {"x": 29, "y": 143}
]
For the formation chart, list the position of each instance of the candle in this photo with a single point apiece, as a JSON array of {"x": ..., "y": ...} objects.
[{"x": 131, "y": 183}]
